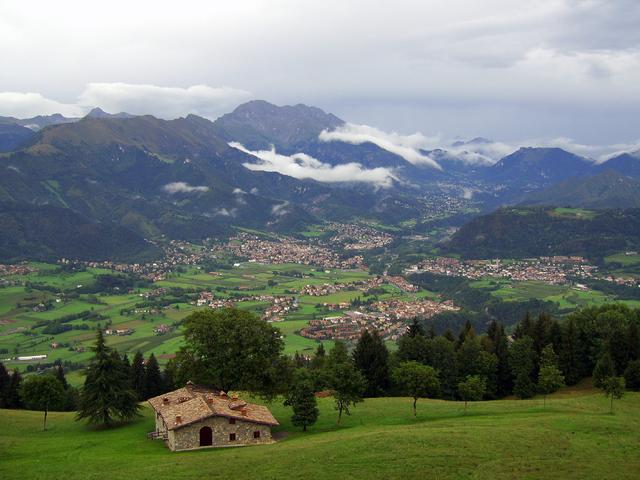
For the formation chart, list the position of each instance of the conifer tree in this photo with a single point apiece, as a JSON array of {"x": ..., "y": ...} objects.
[
  {"x": 371, "y": 357},
  {"x": 522, "y": 360},
  {"x": 107, "y": 395},
  {"x": 152, "y": 378},
  {"x": 571, "y": 354},
  {"x": 632, "y": 375},
  {"x": 13, "y": 392},
  {"x": 5, "y": 383},
  {"x": 303, "y": 401},
  {"x": 415, "y": 328},
  {"x": 500, "y": 348},
  {"x": 633, "y": 341},
  {"x": 138, "y": 376}
]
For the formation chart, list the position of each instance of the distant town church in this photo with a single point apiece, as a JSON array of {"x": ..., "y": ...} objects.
[{"x": 197, "y": 417}]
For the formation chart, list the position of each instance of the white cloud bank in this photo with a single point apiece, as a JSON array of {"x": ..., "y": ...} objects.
[
  {"x": 303, "y": 166},
  {"x": 137, "y": 99},
  {"x": 183, "y": 187},
  {"x": 405, "y": 146}
]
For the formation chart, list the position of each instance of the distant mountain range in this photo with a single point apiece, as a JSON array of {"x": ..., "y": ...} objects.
[{"x": 181, "y": 179}]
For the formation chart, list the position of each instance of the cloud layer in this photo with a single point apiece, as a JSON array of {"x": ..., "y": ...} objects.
[
  {"x": 405, "y": 146},
  {"x": 303, "y": 166},
  {"x": 184, "y": 187}
]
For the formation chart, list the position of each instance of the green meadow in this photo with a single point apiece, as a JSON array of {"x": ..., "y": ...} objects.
[{"x": 573, "y": 437}]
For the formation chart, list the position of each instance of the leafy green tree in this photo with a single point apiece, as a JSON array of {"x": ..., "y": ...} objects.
[
  {"x": 604, "y": 369},
  {"x": 468, "y": 355},
  {"x": 632, "y": 375},
  {"x": 472, "y": 389},
  {"x": 348, "y": 386},
  {"x": 371, "y": 357},
  {"x": 522, "y": 359},
  {"x": 614, "y": 388},
  {"x": 232, "y": 350},
  {"x": 153, "y": 384},
  {"x": 138, "y": 376},
  {"x": 417, "y": 381},
  {"x": 550, "y": 378},
  {"x": 42, "y": 392},
  {"x": 107, "y": 395},
  {"x": 303, "y": 401}
]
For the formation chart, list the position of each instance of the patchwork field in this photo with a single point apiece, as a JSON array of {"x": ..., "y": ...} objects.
[
  {"x": 573, "y": 437},
  {"x": 123, "y": 311}
]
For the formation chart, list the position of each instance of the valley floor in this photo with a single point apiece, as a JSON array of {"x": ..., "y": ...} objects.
[{"x": 573, "y": 437}]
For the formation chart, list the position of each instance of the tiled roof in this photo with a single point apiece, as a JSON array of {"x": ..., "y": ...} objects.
[{"x": 192, "y": 403}]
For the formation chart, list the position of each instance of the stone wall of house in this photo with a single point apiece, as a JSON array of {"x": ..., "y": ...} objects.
[
  {"x": 161, "y": 428},
  {"x": 188, "y": 437}
]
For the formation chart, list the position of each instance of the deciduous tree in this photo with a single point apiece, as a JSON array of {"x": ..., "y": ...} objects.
[
  {"x": 417, "y": 381},
  {"x": 471, "y": 389},
  {"x": 42, "y": 392}
]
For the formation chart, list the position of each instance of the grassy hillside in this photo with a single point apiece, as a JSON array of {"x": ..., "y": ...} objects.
[{"x": 574, "y": 437}]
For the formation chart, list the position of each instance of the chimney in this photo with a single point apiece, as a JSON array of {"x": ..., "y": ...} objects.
[
  {"x": 234, "y": 396},
  {"x": 165, "y": 400},
  {"x": 223, "y": 394},
  {"x": 178, "y": 419},
  {"x": 209, "y": 399},
  {"x": 244, "y": 412}
]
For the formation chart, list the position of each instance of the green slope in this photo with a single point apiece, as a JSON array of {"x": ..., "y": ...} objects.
[{"x": 573, "y": 437}]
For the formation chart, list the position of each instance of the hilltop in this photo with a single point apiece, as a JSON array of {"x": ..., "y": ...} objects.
[{"x": 573, "y": 437}]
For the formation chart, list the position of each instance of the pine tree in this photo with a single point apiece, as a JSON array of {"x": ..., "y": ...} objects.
[
  {"x": 522, "y": 358},
  {"x": 633, "y": 341},
  {"x": 571, "y": 353},
  {"x": 466, "y": 331},
  {"x": 59, "y": 374},
  {"x": 13, "y": 392},
  {"x": 371, "y": 357},
  {"x": 303, "y": 401},
  {"x": 500, "y": 348},
  {"x": 152, "y": 378},
  {"x": 524, "y": 328},
  {"x": 632, "y": 375},
  {"x": 415, "y": 328},
  {"x": 550, "y": 378},
  {"x": 319, "y": 359},
  {"x": 138, "y": 376},
  {"x": 107, "y": 395},
  {"x": 448, "y": 334},
  {"x": 5, "y": 383},
  {"x": 338, "y": 354},
  {"x": 603, "y": 370}
]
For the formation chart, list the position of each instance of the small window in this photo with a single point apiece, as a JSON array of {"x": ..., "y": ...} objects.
[
  {"x": 232, "y": 437},
  {"x": 232, "y": 421},
  {"x": 256, "y": 434}
]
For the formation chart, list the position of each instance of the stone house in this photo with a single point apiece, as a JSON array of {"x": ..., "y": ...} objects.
[{"x": 197, "y": 417}]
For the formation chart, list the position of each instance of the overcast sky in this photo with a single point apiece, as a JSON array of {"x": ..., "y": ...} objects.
[{"x": 504, "y": 69}]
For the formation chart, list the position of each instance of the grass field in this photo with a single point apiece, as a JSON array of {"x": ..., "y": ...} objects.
[{"x": 573, "y": 437}]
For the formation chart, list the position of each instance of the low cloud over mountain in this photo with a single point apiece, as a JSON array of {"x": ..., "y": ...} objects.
[{"x": 303, "y": 166}]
